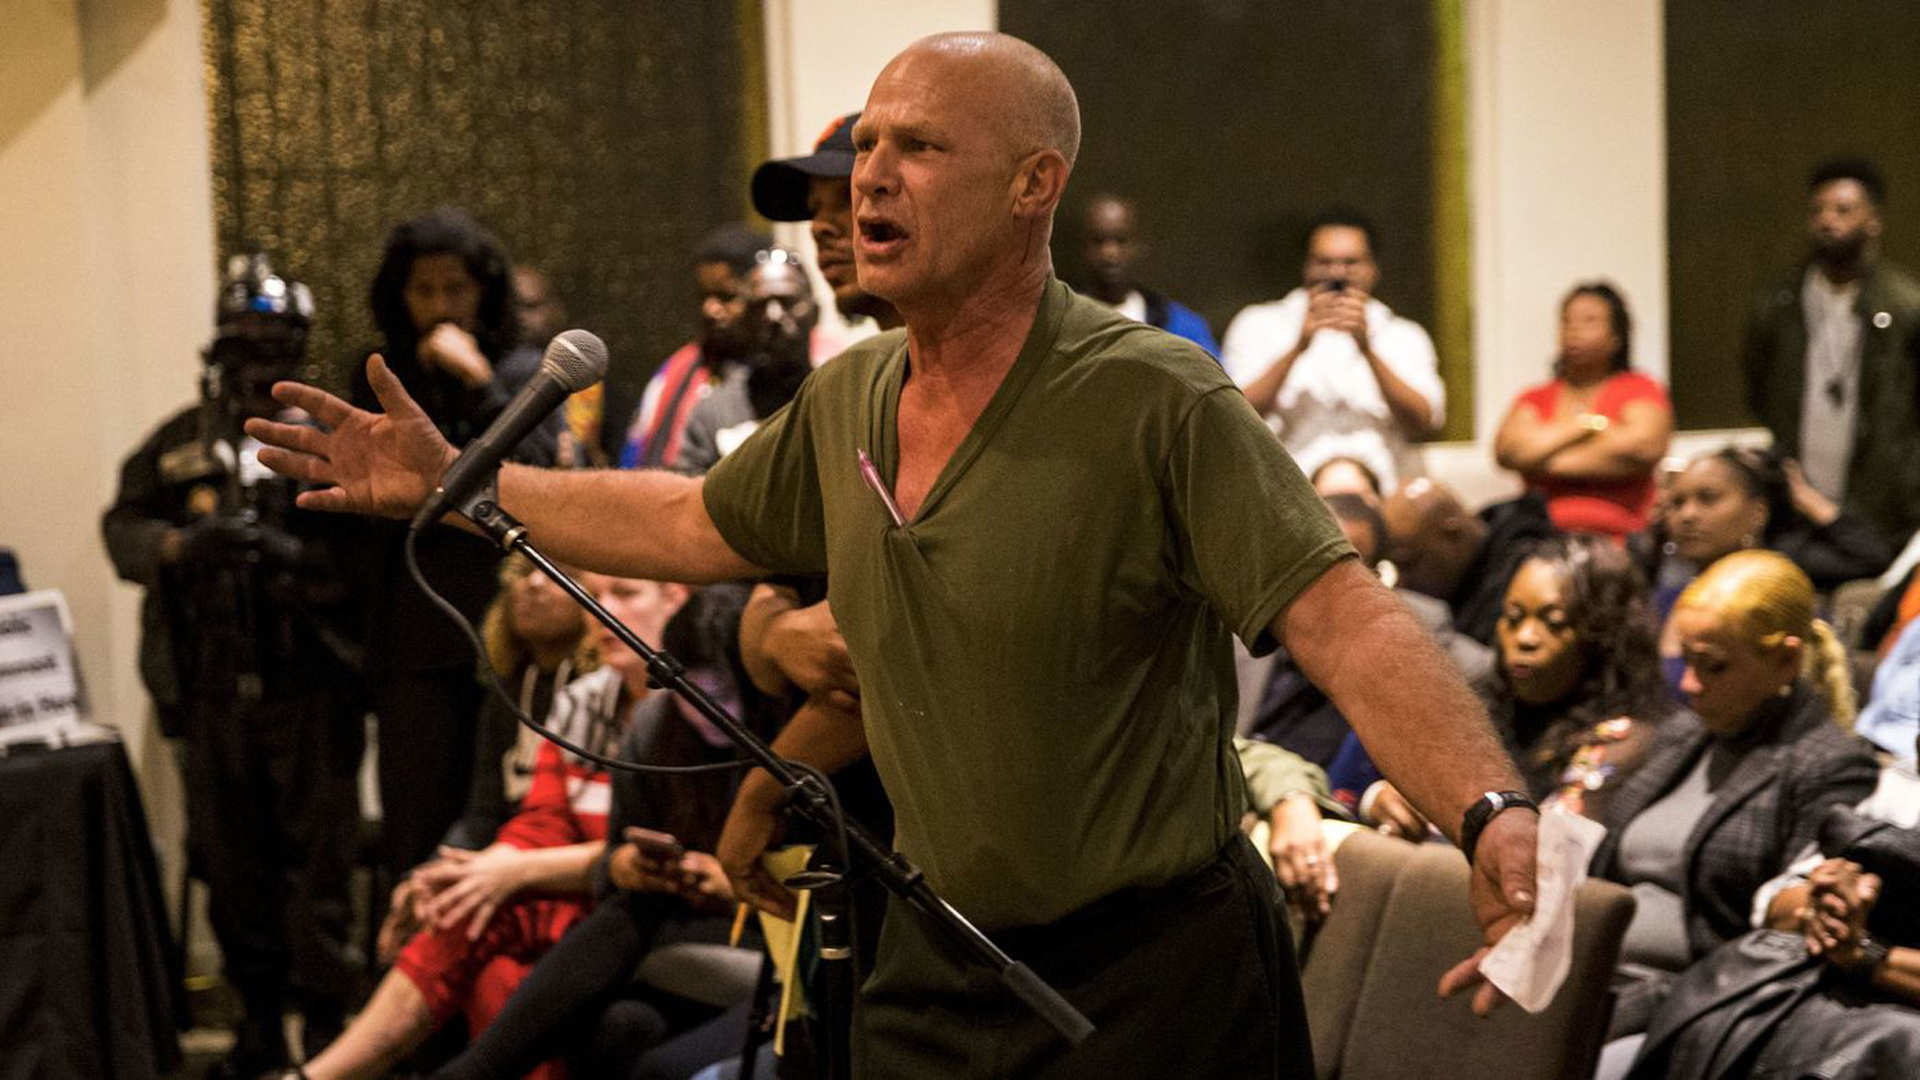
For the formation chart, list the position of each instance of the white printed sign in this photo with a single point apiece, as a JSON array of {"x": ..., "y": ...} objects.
[{"x": 38, "y": 683}]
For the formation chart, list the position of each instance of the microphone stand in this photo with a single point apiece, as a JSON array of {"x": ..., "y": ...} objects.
[{"x": 807, "y": 797}]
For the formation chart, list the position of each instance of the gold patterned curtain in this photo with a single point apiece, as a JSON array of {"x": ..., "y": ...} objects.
[{"x": 597, "y": 138}]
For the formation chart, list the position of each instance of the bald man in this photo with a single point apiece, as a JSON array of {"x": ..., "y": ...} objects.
[
  {"x": 1066, "y": 514},
  {"x": 1446, "y": 551}
]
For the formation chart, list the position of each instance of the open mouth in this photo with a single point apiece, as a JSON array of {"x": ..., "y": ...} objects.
[{"x": 879, "y": 236}]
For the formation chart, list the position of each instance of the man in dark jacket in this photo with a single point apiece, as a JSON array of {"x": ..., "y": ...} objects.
[
  {"x": 1833, "y": 356},
  {"x": 242, "y": 650}
]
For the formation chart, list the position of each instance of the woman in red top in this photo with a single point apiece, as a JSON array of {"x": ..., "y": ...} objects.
[{"x": 1590, "y": 439}]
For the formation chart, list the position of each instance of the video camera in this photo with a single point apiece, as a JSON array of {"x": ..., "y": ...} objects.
[{"x": 260, "y": 337}]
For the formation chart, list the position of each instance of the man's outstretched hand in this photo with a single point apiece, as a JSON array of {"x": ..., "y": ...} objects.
[
  {"x": 1502, "y": 889},
  {"x": 367, "y": 463}
]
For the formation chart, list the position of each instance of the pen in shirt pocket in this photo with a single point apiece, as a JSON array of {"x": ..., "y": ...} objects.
[{"x": 872, "y": 476}]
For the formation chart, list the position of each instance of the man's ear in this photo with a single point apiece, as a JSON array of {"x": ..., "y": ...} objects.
[{"x": 1039, "y": 180}]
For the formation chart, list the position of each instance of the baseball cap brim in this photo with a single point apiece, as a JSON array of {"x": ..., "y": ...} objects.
[{"x": 780, "y": 187}]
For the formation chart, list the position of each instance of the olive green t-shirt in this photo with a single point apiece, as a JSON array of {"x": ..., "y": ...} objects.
[{"x": 1043, "y": 654}]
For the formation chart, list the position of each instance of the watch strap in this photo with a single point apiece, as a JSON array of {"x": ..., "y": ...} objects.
[{"x": 1483, "y": 810}]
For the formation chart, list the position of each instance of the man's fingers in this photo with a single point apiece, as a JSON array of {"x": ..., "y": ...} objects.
[
  {"x": 1488, "y": 999},
  {"x": 331, "y": 411},
  {"x": 394, "y": 399},
  {"x": 308, "y": 468},
  {"x": 307, "y": 440},
  {"x": 1462, "y": 975}
]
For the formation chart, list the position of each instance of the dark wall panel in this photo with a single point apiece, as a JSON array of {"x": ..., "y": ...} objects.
[
  {"x": 1756, "y": 95},
  {"x": 1231, "y": 122},
  {"x": 598, "y": 139}
]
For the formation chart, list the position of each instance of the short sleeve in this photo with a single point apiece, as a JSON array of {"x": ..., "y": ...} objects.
[
  {"x": 1252, "y": 532},
  {"x": 1409, "y": 352},
  {"x": 1244, "y": 350},
  {"x": 765, "y": 496}
]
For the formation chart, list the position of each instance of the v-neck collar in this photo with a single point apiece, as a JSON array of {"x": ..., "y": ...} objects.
[{"x": 884, "y": 424}]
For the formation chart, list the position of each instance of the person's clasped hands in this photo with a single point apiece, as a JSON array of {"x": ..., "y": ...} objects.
[{"x": 1840, "y": 894}]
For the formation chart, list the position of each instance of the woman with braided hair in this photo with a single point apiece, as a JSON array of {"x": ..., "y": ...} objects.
[{"x": 1727, "y": 797}]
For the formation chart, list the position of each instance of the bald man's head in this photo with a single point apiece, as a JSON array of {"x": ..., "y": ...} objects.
[
  {"x": 1431, "y": 537},
  {"x": 1027, "y": 90},
  {"x": 962, "y": 154}
]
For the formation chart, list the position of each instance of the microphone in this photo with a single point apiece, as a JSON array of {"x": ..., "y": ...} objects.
[{"x": 574, "y": 361}]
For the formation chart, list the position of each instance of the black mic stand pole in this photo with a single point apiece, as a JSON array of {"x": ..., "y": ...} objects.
[{"x": 805, "y": 795}]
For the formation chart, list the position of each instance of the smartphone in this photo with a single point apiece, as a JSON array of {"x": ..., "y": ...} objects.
[
  {"x": 1337, "y": 285},
  {"x": 655, "y": 845}
]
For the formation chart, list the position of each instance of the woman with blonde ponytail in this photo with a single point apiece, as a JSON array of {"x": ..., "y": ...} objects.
[{"x": 1729, "y": 794}]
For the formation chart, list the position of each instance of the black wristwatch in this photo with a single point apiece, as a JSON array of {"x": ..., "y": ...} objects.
[{"x": 1482, "y": 811}]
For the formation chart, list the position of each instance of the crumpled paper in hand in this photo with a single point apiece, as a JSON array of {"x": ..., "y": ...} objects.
[{"x": 1532, "y": 960}]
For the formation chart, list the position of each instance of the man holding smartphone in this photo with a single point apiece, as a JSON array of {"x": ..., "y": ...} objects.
[{"x": 1335, "y": 371}]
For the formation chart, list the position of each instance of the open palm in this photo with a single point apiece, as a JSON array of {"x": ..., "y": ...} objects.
[{"x": 366, "y": 462}]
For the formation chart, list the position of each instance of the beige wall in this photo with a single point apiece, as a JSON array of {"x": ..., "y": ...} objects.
[
  {"x": 1566, "y": 133},
  {"x": 106, "y": 294}
]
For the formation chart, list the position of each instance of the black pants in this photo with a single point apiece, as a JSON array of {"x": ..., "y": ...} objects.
[
  {"x": 1193, "y": 978},
  {"x": 559, "y": 1008},
  {"x": 426, "y": 734},
  {"x": 272, "y": 815}
]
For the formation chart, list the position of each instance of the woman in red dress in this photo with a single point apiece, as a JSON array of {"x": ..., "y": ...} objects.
[{"x": 1590, "y": 439}]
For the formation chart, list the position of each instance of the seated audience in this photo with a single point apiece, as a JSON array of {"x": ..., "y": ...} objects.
[
  {"x": 1589, "y": 440},
  {"x": 657, "y": 883},
  {"x": 1465, "y": 559},
  {"x": 1286, "y": 799},
  {"x": 1891, "y": 719},
  {"x": 1726, "y": 799},
  {"x": 1576, "y": 692},
  {"x": 1736, "y": 498},
  {"x": 487, "y": 915},
  {"x": 1832, "y": 990},
  {"x": 1334, "y": 370},
  {"x": 537, "y": 642},
  {"x": 1292, "y": 713}
]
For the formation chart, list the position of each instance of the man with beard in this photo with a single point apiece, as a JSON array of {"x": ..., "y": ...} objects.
[
  {"x": 1833, "y": 356},
  {"x": 720, "y": 266},
  {"x": 779, "y": 323}
]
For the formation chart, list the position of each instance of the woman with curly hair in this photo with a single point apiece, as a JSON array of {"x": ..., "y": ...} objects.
[{"x": 1576, "y": 691}]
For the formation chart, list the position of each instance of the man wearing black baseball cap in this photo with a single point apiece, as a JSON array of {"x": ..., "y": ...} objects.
[{"x": 816, "y": 188}]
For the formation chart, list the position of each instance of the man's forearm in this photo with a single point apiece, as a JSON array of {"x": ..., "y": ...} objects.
[
  {"x": 644, "y": 524},
  {"x": 820, "y": 735},
  {"x": 1409, "y": 408},
  {"x": 1411, "y": 709},
  {"x": 1264, "y": 392},
  {"x": 767, "y": 604}
]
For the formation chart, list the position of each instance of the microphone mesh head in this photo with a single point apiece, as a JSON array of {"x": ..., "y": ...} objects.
[{"x": 578, "y": 357}]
